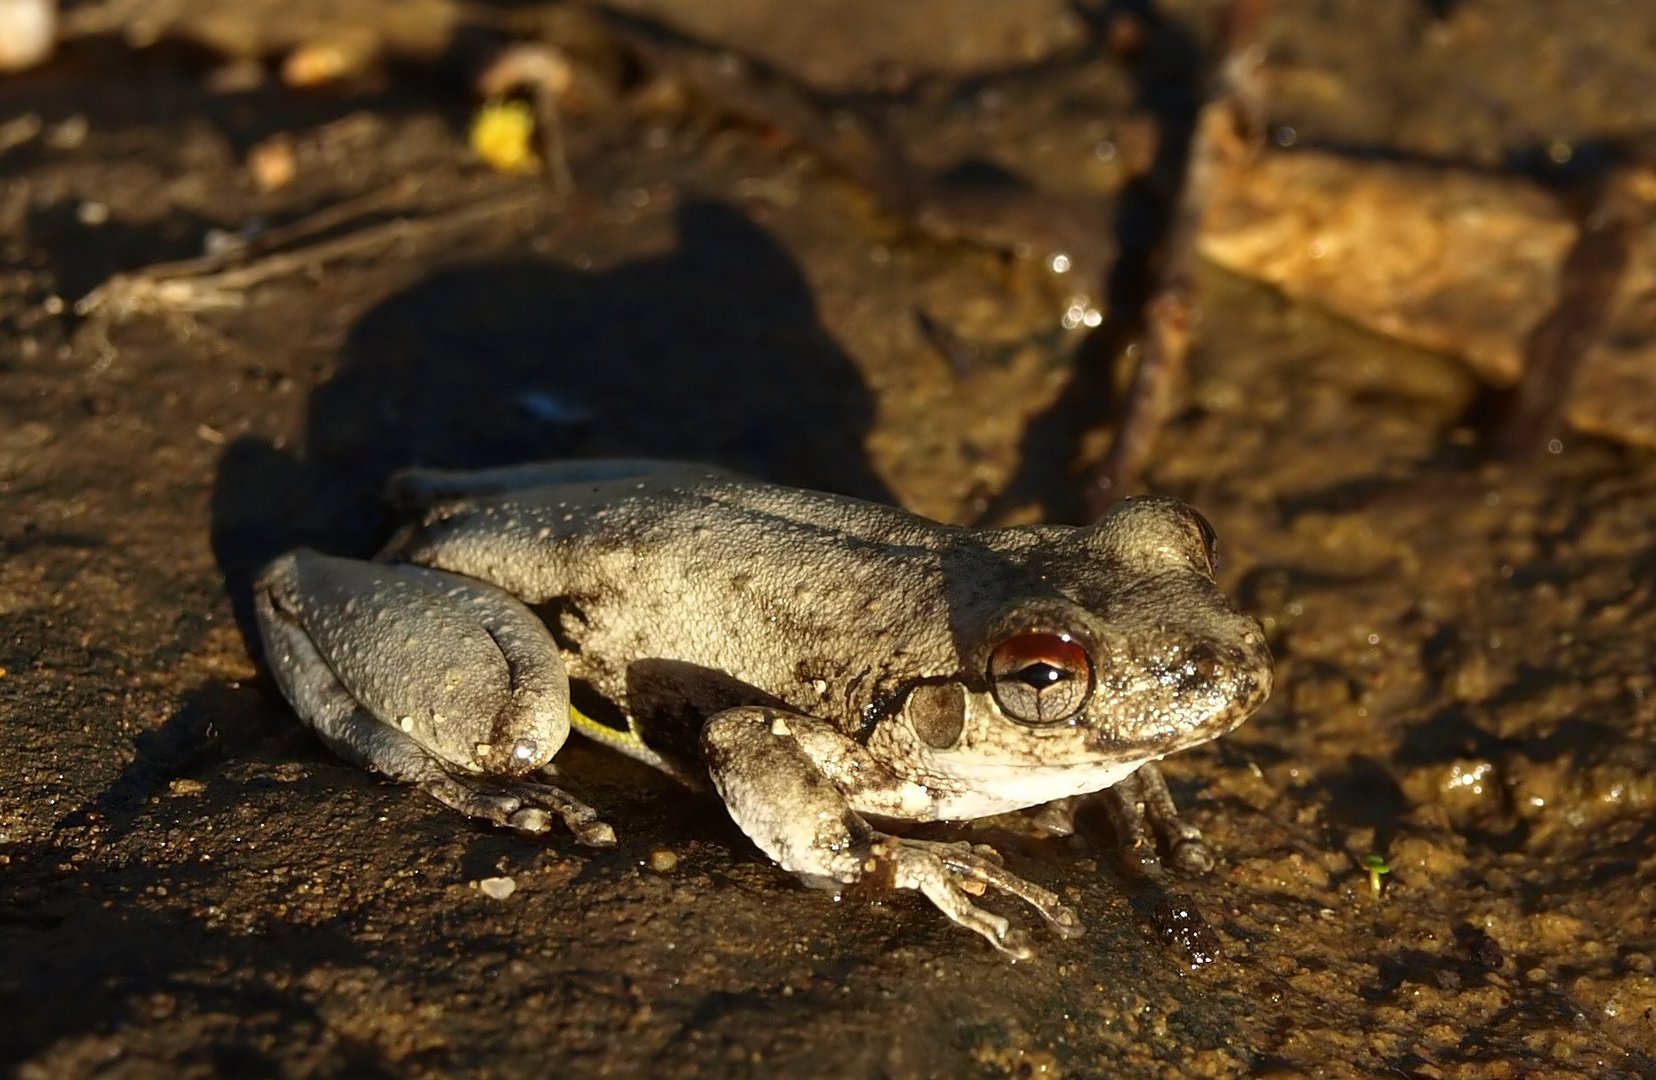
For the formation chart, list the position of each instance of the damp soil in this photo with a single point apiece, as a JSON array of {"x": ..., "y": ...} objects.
[{"x": 190, "y": 885}]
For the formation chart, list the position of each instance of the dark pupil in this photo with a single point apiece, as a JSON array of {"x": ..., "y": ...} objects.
[{"x": 1042, "y": 675}]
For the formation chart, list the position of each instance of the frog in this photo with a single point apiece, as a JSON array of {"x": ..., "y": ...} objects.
[{"x": 835, "y": 671}]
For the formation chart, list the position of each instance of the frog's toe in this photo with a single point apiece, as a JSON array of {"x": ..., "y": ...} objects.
[
  {"x": 521, "y": 805},
  {"x": 594, "y": 834},
  {"x": 584, "y": 826},
  {"x": 997, "y": 931},
  {"x": 537, "y": 804},
  {"x": 983, "y": 865},
  {"x": 948, "y": 874},
  {"x": 1015, "y": 945},
  {"x": 986, "y": 853},
  {"x": 530, "y": 819},
  {"x": 1192, "y": 856},
  {"x": 1064, "y": 921},
  {"x": 471, "y": 799},
  {"x": 925, "y": 873}
]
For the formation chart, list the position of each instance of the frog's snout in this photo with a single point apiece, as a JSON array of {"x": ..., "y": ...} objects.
[
  {"x": 1239, "y": 675},
  {"x": 1187, "y": 694}
]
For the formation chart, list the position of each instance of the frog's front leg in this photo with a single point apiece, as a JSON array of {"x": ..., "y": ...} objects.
[
  {"x": 428, "y": 677},
  {"x": 797, "y": 787},
  {"x": 1141, "y": 811}
]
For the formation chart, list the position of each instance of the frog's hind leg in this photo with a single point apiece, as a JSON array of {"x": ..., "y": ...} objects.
[
  {"x": 781, "y": 776},
  {"x": 430, "y": 678},
  {"x": 414, "y": 491}
]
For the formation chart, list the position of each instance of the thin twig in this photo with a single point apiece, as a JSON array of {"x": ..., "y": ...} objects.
[
  {"x": 214, "y": 282},
  {"x": 1554, "y": 351}
]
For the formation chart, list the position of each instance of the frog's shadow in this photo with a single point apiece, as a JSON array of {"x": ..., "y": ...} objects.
[{"x": 712, "y": 352}]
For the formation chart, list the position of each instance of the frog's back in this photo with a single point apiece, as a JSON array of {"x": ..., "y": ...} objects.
[
  {"x": 683, "y": 501},
  {"x": 541, "y": 541},
  {"x": 774, "y": 587}
]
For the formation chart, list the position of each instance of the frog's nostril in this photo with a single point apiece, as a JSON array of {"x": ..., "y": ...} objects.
[
  {"x": 1206, "y": 668},
  {"x": 1205, "y": 661}
]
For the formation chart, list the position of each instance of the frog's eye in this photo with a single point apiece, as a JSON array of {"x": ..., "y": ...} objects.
[{"x": 1040, "y": 678}]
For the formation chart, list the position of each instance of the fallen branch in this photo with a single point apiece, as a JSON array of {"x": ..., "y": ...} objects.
[
  {"x": 1227, "y": 127},
  {"x": 221, "y": 279},
  {"x": 1556, "y": 349}
]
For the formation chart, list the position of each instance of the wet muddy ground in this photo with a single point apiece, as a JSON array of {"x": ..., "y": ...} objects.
[{"x": 191, "y": 885}]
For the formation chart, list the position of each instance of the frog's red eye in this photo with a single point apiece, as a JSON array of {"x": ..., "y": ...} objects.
[{"x": 1040, "y": 678}]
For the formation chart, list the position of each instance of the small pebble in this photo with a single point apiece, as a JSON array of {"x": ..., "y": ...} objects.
[
  {"x": 497, "y": 888},
  {"x": 663, "y": 860},
  {"x": 273, "y": 163}
]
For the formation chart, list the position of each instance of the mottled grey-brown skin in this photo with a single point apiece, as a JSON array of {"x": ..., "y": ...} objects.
[{"x": 823, "y": 661}]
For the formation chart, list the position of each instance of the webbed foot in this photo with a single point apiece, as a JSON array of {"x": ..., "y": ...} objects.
[
  {"x": 776, "y": 772},
  {"x": 946, "y": 873},
  {"x": 523, "y": 805}
]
